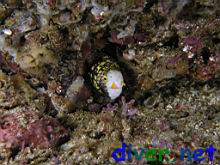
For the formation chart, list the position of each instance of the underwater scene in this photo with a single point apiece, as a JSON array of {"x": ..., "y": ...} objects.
[{"x": 107, "y": 82}]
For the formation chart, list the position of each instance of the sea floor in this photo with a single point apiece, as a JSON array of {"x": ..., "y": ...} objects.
[{"x": 168, "y": 53}]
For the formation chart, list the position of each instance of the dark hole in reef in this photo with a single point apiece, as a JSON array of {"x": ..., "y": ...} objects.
[
  {"x": 205, "y": 55},
  {"x": 64, "y": 32},
  {"x": 5, "y": 124},
  {"x": 171, "y": 89},
  {"x": 211, "y": 112},
  {"x": 68, "y": 55},
  {"x": 22, "y": 40},
  {"x": 50, "y": 110},
  {"x": 183, "y": 114},
  {"x": 130, "y": 79},
  {"x": 145, "y": 96},
  {"x": 217, "y": 14},
  {"x": 86, "y": 15},
  {"x": 215, "y": 82},
  {"x": 149, "y": 4},
  {"x": 63, "y": 139},
  {"x": 216, "y": 40},
  {"x": 159, "y": 20},
  {"x": 172, "y": 42},
  {"x": 14, "y": 152},
  {"x": 188, "y": 12},
  {"x": 49, "y": 137},
  {"x": 113, "y": 49}
]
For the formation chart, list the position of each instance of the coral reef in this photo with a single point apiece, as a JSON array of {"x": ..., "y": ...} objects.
[
  {"x": 27, "y": 128},
  {"x": 127, "y": 108},
  {"x": 168, "y": 52}
]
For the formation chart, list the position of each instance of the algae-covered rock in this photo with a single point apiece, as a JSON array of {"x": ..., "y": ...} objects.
[{"x": 168, "y": 52}]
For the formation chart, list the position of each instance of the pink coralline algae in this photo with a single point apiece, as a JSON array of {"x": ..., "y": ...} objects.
[
  {"x": 193, "y": 44},
  {"x": 206, "y": 72},
  {"x": 128, "y": 109},
  {"x": 110, "y": 107},
  {"x": 29, "y": 128},
  {"x": 174, "y": 60}
]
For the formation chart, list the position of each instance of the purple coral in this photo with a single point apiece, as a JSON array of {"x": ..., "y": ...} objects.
[
  {"x": 29, "y": 128},
  {"x": 110, "y": 107},
  {"x": 193, "y": 44},
  {"x": 127, "y": 108}
]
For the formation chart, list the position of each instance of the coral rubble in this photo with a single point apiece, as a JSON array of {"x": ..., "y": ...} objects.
[{"x": 169, "y": 55}]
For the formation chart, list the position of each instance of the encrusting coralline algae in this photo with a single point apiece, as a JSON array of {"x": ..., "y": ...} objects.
[{"x": 169, "y": 55}]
